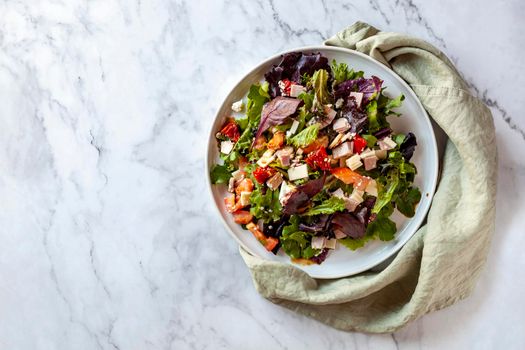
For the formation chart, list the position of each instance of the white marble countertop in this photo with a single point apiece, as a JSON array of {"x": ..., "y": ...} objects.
[{"x": 108, "y": 238}]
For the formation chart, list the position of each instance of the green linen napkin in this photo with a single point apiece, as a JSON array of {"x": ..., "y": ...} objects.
[{"x": 440, "y": 264}]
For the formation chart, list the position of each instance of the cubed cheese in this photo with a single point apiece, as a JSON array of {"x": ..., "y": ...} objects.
[
  {"x": 231, "y": 185},
  {"x": 358, "y": 96},
  {"x": 238, "y": 175},
  {"x": 298, "y": 172},
  {"x": 266, "y": 158},
  {"x": 367, "y": 153},
  {"x": 351, "y": 204},
  {"x": 329, "y": 117},
  {"x": 371, "y": 188},
  {"x": 339, "y": 193},
  {"x": 293, "y": 128},
  {"x": 354, "y": 162},
  {"x": 238, "y": 106},
  {"x": 296, "y": 90},
  {"x": 245, "y": 198},
  {"x": 381, "y": 153},
  {"x": 341, "y": 125},
  {"x": 318, "y": 242},
  {"x": 343, "y": 150},
  {"x": 285, "y": 188},
  {"x": 339, "y": 103},
  {"x": 370, "y": 162},
  {"x": 387, "y": 143},
  {"x": 330, "y": 243},
  {"x": 336, "y": 141},
  {"x": 226, "y": 146},
  {"x": 357, "y": 196},
  {"x": 275, "y": 181}
]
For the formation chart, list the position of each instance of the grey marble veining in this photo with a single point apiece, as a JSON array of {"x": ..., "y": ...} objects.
[{"x": 108, "y": 239}]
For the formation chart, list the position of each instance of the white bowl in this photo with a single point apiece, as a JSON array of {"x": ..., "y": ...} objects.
[{"x": 342, "y": 261}]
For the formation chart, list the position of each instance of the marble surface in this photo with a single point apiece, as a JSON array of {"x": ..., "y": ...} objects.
[{"x": 108, "y": 239}]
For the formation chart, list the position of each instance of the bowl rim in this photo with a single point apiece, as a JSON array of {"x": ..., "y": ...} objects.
[{"x": 211, "y": 140}]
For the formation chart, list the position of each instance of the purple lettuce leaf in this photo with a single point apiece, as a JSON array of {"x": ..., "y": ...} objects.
[
  {"x": 369, "y": 87},
  {"x": 292, "y": 66},
  {"x": 276, "y": 112},
  {"x": 295, "y": 201},
  {"x": 381, "y": 134},
  {"x": 357, "y": 118},
  {"x": 319, "y": 225},
  {"x": 364, "y": 210},
  {"x": 408, "y": 146},
  {"x": 349, "y": 224},
  {"x": 318, "y": 259}
]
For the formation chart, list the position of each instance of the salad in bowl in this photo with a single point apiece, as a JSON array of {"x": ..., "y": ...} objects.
[{"x": 311, "y": 162}]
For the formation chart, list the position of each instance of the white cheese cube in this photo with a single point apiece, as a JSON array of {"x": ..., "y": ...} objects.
[
  {"x": 275, "y": 181},
  {"x": 296, "y": 90},
  {"x": 231, "y": 185},
  {"x": 318, "y": 242},
  {"x": 387, "y": 143},
  {"x": 238, "y": 175},
  {"x": 245, "y": 198},
  {"x": 298, "y": 172},
  {"x": 358, "y": 97},
  {"x": 351, "y": 204},
  {"x": 330, "y": 243},
  {"x": 357, "y": 196},
  {"x": 339, "y": 193},
  {"x": 354, "y": 162},
  {"x": 339, "y": 103},
  {"x": 371, "y": 188},
  {"x": 226, "y": 146},
  {"x": 341, "y": 125},
  {"x": 266, "y": 158},
  {"x": 343, "y": 150},
  {"x": 293, "y": 128},
  {"x": 238, "y": 106},
  {"x": 367, "y": 153}
]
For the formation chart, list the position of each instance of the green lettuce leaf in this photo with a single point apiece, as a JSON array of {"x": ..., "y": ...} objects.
[
  {"x": 406, "y": 201},
  {"x": 220, "y": 174},
  {"x": 328, "y": 206},
  {"x": 296, "y": 243},
  {"x": 265, "y": 206},
  {"x": 341, "y": 72},
  {"x": 319, "y": 82},
  {"x": 305, "y": 137}
]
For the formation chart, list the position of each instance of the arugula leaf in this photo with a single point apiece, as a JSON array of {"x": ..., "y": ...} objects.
[
  {"x": 305, "y": 137},
  {"x": 220, "y": 174},
  {"x": 265, "y": 206},
  {"x": 406, "y": 202},
  {"x": 296, "y": 243},
  {"x": 319, "y": 82},
  {"x": 328, "y": 206}
]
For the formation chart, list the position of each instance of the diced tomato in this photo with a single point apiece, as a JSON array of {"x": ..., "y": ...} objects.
[
  {"x": 229, "y": 202},
  {"x": 359, "y": 144},
  {"x": 318, "y": 159},
  {"x": 320, "y": 142},
  {"x": 259, "y": 143},
  {"x": 263, "y": 174},
  {"x": 349, "y": 176},
  {"x": 256, "y": 232},
  {"x": 231, "y": 130},
  {"x": 245, "y": 185},
  {"x": 277, "y": 141},
  {"x": 242, "y": 217},
  {"x": 287, "y": 86},
  {"x": 271, "y": 243}
]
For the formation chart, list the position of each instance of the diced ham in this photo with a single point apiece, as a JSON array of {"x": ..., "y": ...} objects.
[
  {"x": 358, "y": 97},
  {"x": 370, "y": 162},
  {"x": 339, "y": 234},
  {"x": 351, "y": 204},
  {"x": 343, "y": 150},
  {"x": 330, "y": 114},
  {"x": 341, "y": 125},
  {"x": 275, "y": 181},
  {"x": 386, "y": 144},
  {"x": 285, "y": 155},
  {"x": 318, "y": 242},
  {"x": 296, "y": 90}
]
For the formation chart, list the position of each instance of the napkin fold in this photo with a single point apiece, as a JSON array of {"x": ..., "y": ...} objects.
[{"x": 440, "y": 264}]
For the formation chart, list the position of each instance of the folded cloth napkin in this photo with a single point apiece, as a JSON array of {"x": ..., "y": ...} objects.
[{"x": 440, "y": 264}]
